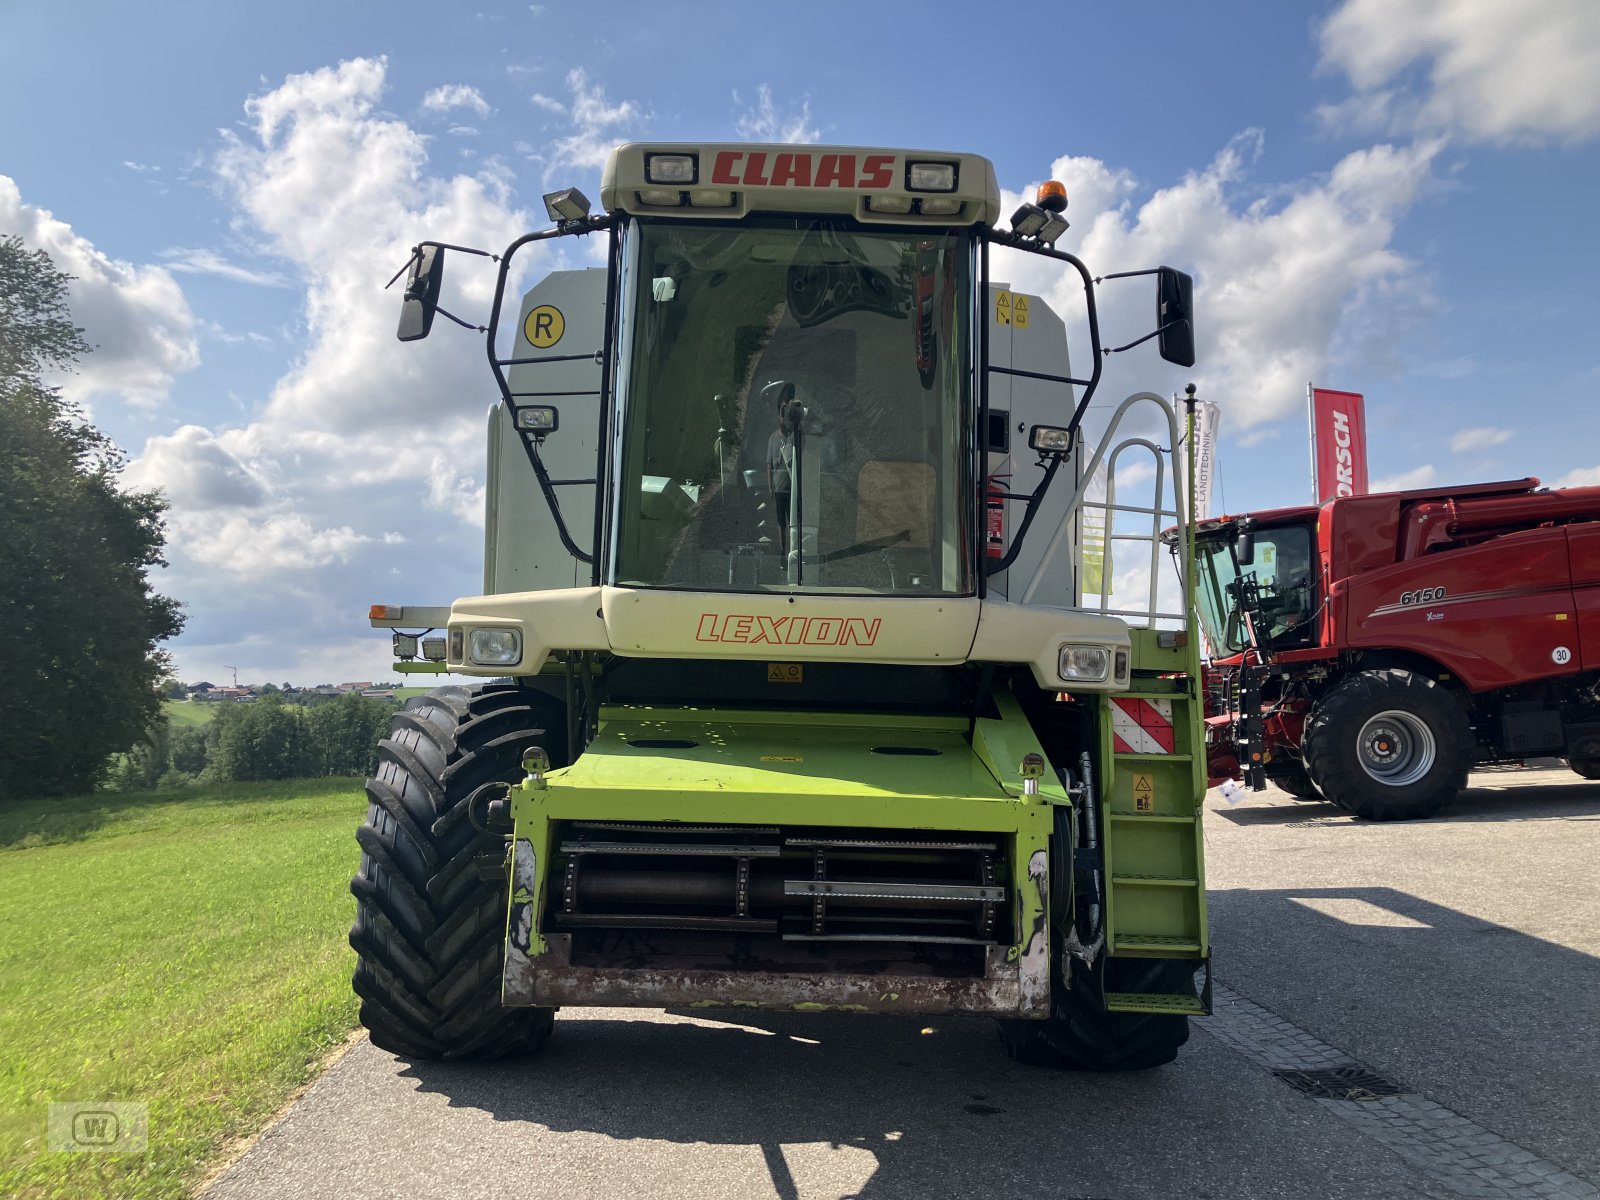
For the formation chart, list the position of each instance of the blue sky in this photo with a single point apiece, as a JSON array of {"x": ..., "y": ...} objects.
[{"x": 1386, "y": 196}]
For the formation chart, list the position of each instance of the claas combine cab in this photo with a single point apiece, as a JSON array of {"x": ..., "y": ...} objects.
[{"x": 794, "y": 705}]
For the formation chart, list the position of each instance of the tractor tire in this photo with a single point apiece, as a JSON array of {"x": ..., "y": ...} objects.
[
  {"x": 429, "y": 933},
  {"x": 1388, "y": 745},
  {"x": 1082, "y": 1035},
  {"x": 1296, "y": 782},
  {"x": 1589, "y": 768}
]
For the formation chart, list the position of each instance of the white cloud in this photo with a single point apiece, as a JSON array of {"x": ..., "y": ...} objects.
[
  {"x": 363, "y": 466},
  {"x": 598, "y": 124},
  {"x": 1498, "y": 72},
  {"x": 209, "y": 262},
  {"x": 1405, "y": 481},
  {"x": 1582, "y": 477},
  {"x": 135, "y": 316},
  {"x": 1469, "y": 440},
  {"x": 548, "y": 103},
  {"x": 1283, "y": 287},
  {"x": 455, "y": 95},
  {"x": 761, "y": 122}
]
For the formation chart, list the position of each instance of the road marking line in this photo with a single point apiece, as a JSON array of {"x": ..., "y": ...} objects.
[{"x": 1461, "y": 1155}]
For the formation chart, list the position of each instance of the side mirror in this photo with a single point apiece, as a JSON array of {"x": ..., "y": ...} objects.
[
  {"x": 1244, "y": 549},
  {"x": 422, "y": 293},
  {"x": 1175, "y": 315}
]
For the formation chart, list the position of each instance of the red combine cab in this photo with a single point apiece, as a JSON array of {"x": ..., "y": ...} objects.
[{"x": 1372, "y": 650}]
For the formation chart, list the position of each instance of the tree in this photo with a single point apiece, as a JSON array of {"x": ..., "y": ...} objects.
[
  {"x": 82, "y": 623},
  {"x": 345, "y": 733},
  {"x": 261, "y": 740}
]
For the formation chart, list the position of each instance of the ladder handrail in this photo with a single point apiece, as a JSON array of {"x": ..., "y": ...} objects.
[{"x": 1077, "y": 502}]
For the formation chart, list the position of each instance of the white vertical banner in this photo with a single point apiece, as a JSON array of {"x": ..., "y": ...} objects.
[
  {"x": 1207, "y": 425},
  {"x": 1092, "y": 544}
]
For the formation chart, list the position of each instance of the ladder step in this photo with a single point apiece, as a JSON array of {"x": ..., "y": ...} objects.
[
  {"x": 1153, "y": 818},
  {"x": 1154, "y": 1002},
  {"x": 1154, "y": 880},
  {"x": 1136, "y": 941}
]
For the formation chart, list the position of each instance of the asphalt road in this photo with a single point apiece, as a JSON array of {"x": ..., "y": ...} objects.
[{"x": 1458, "y": 960}]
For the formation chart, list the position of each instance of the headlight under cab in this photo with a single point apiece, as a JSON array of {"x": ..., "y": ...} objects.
[
  {"x": 495, "y": 647},
  {"x": 1084, "y": 664}
]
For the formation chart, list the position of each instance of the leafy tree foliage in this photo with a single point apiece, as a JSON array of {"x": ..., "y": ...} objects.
[{"x": 81, "y": 620}]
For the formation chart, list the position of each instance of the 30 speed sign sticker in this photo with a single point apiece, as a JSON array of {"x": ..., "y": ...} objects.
[{"x": 1561, "y": 656}]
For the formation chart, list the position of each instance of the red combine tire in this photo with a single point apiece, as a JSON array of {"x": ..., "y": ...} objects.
[
  {"x": 429, "y": 933},
  {"x": 1388, "y": 745}
]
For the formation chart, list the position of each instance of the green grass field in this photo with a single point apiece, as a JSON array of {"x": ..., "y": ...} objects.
[
  {"x": 188, "y": 712},
  {"x": 182, "y": 949}
]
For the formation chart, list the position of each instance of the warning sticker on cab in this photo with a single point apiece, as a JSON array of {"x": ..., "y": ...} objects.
[
  {"x": 1002, "y": 307},
  {"x": 786, "y": 673},
  {"x": 544, "y": 326},
  {"x": 1144, "y": 792},
  {"x": 1019, "y": 311}
]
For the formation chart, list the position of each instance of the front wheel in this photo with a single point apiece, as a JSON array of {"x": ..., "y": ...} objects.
[
  {"x": 1589, "y": 768},
  {"x": 1388, "y": 745},
  {"x": 429, "y": 933},
  {"x": 1081, "y": 1034}
]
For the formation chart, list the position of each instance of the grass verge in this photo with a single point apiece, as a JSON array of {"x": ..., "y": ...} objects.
[{"x": 186, "y": 950}]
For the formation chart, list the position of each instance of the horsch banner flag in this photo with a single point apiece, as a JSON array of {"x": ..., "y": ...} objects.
[{"x": 1338, "y": 443}]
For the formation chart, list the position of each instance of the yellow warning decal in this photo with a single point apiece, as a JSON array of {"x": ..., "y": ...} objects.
[
  {"x": 544, "y": 326},
  {"x": 782, "y": 758},
  {"x": 1002, "y": 307},
  {"x": 1144, "y": 792},
  {"x": 786, "y": 673},
  {"x": 1019, "y": 311}
]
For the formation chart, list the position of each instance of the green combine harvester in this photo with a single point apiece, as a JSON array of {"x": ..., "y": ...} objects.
[{"x": 797, "y": 704}]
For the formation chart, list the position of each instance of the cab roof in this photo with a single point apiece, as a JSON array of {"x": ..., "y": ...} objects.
[{"x": 725, "y": 181}]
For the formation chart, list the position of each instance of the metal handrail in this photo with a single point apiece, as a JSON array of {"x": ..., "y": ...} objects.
[{"x": 1110, "y": 506}]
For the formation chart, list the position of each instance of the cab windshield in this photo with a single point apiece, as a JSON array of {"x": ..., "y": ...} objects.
[
  {"x": 794, "y": 410},
  {"x": 1284, "y": 581}
]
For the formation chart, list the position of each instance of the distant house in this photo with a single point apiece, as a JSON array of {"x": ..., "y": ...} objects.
[
  {"x": 199, "y": 687},
  {"x": 356, "y": 687},
  {"x": 237, "y": 694},
  {"x": 378, "y": 694}
]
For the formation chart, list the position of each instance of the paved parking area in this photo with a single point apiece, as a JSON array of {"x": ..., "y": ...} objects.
[{"x": 1454, "y": 964}]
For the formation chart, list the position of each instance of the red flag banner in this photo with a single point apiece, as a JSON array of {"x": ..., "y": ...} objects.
[{"x": 1339, "y": 443}]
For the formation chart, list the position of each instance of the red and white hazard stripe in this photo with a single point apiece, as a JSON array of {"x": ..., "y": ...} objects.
[{"x": 1141, "y": 726}]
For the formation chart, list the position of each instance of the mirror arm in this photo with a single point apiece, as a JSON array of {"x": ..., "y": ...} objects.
[
  {"x": 443, "y": 312},
  {"x": 1146, "y": 337},
  {"x": 416, "y": 253}
]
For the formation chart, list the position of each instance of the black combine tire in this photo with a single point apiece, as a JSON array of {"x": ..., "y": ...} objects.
[
  {"x": 429, "y": 931},
  {"x": 1388, "y": 745},
  {"x": 1589, "y": 768},
  {"x": 1082, "y": 1035},
  {"x": 1294, "y": 780}
]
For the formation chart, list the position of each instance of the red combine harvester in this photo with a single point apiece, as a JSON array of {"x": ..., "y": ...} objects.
[{"x": 1372, "y": 650}]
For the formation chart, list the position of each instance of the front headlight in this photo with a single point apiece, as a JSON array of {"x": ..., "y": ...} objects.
[
  {"x": 1084, "y": 664},
  {"x": 496, "y": 647}
]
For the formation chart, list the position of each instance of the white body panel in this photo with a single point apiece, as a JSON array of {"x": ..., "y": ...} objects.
[
  {"x": 522, "y": 550},
  {"x": 1034, "y": 342}
]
